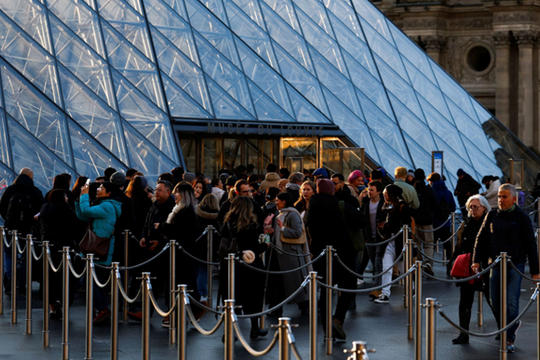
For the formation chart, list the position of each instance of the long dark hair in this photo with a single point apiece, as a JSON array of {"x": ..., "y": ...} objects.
[
  {"x": 242, "y": 212},
  {"x": 76, "y": 190}
]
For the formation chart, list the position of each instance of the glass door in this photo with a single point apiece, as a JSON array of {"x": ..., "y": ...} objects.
[{"x": 302, "y": 151}]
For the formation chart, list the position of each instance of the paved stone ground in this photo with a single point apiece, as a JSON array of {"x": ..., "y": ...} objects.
[{"x": 383, "y": 327}]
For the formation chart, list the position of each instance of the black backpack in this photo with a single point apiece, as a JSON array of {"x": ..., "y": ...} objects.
[
  {"x": 445, "y": 209},
  {"x": 20, "y": 213}
]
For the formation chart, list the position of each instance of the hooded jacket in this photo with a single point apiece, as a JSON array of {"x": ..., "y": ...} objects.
[
  {"x": 24, "y": 184},
  {"x": 441, "y": 191},
  {"x": 271, "y": 180}
]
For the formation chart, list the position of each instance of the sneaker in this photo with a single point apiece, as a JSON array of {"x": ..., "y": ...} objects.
[
  {"x": 359, "y": 282},
  {"x": 137, "y": 316},
  {"x": 337, "y": 329},
  {"x": 510, "y": 347},
  {"x": 429, "y": 270},
  {"x": 374, "y": 294},
  {"x": 102, "y": 316},
  {"x": 383, "y": 299},
  {"x": 166, "y": 323},
  {"x": 515, "y": 332}
]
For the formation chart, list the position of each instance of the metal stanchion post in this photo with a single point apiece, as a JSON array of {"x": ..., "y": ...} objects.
[
  {"x": 181, "y": 306},
  {"x": 504, "y": 301},
  {"x": 230, "y": 262},
  {"x": 446, "y": 257},
  {"x": 115, "y": 278},
  {"x": 1, "y": 270},
  {"x": 409, "y": 282},
  {"x": 407, "y": 264},
  {"x": 125, "y": 277},
  {"x": 313, "y": 315},
  {"x": 538, "y": 213},
  {"x": 46, "y": 311},
  {"x": 418, "y": 311},
  {"x": 209, "y": 252},
  {"x": 65, "y": 303},
  {"x": 359, "y": 351},
  {"x": 14, "y": 277},
  {"x": 229, "y": 333},
  {"x": 29, "y": 244},
  {"x": 328, "y": 320},
  {"x": 430, "y": 328},
  {"x": 537, "y": 322},
  {"x": 480, "y": 308},
  {"x": 172, "y": 288},
  {"x": 146, "y": 315},
  {"x": 89, "y": 305},
  {"x": 284, "y": 350}
]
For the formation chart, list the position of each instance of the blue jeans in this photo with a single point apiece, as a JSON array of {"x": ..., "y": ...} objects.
[
  {"x": 513, "y": 293},
  {"x": 202, "y": 277}
]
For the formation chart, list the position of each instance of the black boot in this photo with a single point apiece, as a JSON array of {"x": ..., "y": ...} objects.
[{"x": 461, "y": 339}]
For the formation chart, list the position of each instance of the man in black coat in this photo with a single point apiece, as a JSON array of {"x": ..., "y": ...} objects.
[
  {"x": 18, "y": 206},
  {"x": 328, "y": 226},
  {"x": 465, "y": 187}
]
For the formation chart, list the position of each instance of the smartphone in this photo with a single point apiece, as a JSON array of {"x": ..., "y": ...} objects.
[{"x": 88, "y": 182}]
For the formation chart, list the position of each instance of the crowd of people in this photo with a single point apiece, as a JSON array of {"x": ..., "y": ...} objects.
[{"x": 279, "y": 221}]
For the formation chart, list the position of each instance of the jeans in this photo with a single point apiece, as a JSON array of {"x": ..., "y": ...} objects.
[
  {"x": 388, "y": 259},
  {"x": 202, "y": 275},
  {"x": 513, "y": 293},
  {"x": 376, "y": 259}
]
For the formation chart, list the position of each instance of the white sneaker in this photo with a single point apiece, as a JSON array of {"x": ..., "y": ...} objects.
[
  {"x": 383, "y": 299},
  {"x": 359, "y": 282}
]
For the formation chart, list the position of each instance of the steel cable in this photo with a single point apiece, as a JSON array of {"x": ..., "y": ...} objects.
[{"x": 249, "y": 349}]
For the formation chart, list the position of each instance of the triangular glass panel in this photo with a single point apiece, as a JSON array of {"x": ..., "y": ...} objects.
[
  {"x": 381, "y": 124},
  {"x": 92, "y": 114},
  {"x": 267, "y": 110},
  {"x": 288, "y": 39},
  {"x": 251, "y": 8},
  {"x": 330, "y": 77},
  {"x": 37, "y": 157},
  {"x": 36, "y": 113},
  {"x": 224, "y": 106},
  {"x": 180, "y": 103},
  {"x": 144, "y": 156},
  {"x": 84, "y": 63},
  {"x": 422, "y": 160},
  {"x": 452, "y": 160},
  {"x": 181, "y": 70},
  {"x": 178, "y": 7},
  {"x": 212, "y": 30},
  {"x": 173, "y": 27},
  {"x": 133, "y": 65},
  {"x": 482, "y": 164},
  {"x": 4, "y": 144},
  {"x": 305, "y": 112},
  {"x": 427, "y": 90},
  {"x": 302, "y": 80},
  {"x": 6, "y": 178},
  {"x": 250, "y": 33},
  {"x": 127, "y": 22},
  {"x": 216, "y": 6},
  {"x": 389, "y": 158},
  {"x": 81, "y": 20},
  {"x": 356, "y": 49},
  {"x": 410, "y": 124},
  {"x": 151, "y": 122},
  {"x": 30, "y": 59},
  {"x": 265, "y": 78},
  {"x": 322, "y": 42},
  {"x": 374, "y": 17},
  {"x": 340, "y": 13},
  {"x": 481, "y": 112},
  {"x": 451, "y": 88},
  {"x": 316, "y": 11},
  {"x": 31, "y": 16},
  {"x": 403, "y": 91},
  {"x": 283, "y": 8},
  {"x": 353, "y": 126},
  {"x": 90, "y": 158},
  {"x": 224, "y": 73}
]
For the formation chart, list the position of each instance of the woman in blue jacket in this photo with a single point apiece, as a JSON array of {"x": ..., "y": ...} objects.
[{"x": 102, "y": 215}]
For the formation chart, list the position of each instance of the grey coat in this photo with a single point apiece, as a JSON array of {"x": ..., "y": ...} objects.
[{"x": 294, "y": 226}]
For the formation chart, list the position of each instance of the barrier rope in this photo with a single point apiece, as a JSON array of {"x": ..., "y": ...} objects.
[
  {"x": 439, "y": 243},
  {"x": 440, "y": 227},
  {"x": 19, "y": 246},
  {"x": 49, "y": 257},
  {"x": 123, "y": 292},
  {"x": 395, "y": 281},
  {"x": 282, "y": 271},
  {"x": 473, "y": 277},
  {"x": 209, "y": 309},
  {"x": 430, "y": 258},
  {"x": 370, "y": 276},
  {"x": 281, "y": 304},
  {"x": 97, "y": 280},
  {"x": 195, "y": 323},
  {"x": 78, "y": 276},
  {"x": 530, "y": 205},
  {"x": 507, "y": 327},
  {"x": 156, "y": 306},
  {"x": 520, "y": 273},
  {"x": 196, "y": 258},
  {"x": 285, "y": 252},
  {"x": 5, "y": 239},
  {"x": 249, "y": 348},
  {"x": 385, "y": 241},
  {"x": 292, "y": 342},
  {"x": 37, "y": 258},
  {"x": 202, "y": 235},
  {"x": 165, "y": 248},
  {"x": 532, "y": 212}
]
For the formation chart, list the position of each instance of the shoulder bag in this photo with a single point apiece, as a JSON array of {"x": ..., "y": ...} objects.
[
  {"x": 295, "y": 241},
  {"x": 93, "y": 244}
]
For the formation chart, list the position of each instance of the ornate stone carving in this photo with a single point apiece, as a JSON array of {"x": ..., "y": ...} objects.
[
  {"x": 457, "y": 46},
  {"x": 419, "y": 23},
  {"x": 516, "y": 17},
  {"x": 526, "y": 37},
  {"x": 433, "y": 43},
  {"x": 476, "y": 23},
  {"x": 501, "y": 38}
]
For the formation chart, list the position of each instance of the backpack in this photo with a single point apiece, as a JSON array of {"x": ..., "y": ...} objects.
[
  {"x": 227, "y": 245},
  {"x": 357, "y": 235},
  {"x": 413, "y": 222},
  {"x": 521, "y": 198},
  {"x": 20, "y": 212},
  {"x": 444, "y": 207}
]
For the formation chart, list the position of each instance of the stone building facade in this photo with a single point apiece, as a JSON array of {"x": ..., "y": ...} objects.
[{"x": 490, "y": 47}]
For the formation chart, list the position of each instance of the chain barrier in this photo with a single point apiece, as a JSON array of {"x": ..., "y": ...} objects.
[
  {"x": 399, "y": 258},
  {"x": 387, "y": 240},
  {"x": 438, "y": 228}
]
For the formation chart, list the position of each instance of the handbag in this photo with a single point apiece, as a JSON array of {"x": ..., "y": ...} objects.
[
  {"x": 462, "y": 266},
  {"x": 93, "y": 244},
  {"x": 295, "y": 241}
]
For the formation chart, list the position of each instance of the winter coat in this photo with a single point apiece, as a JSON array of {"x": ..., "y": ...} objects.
[
  {"x": 293, "y": 190},
  {"x": 428, "y": 204},
  {"x": 58, "y": 224},
  {"x": 399, "y": 216},
  {"x": 205, "y": 217},
  {"x": 466, "y": 186},
  {"x": 492, "y": 193},
  {"x": 441, "y": 191},
  {"x": 271, "y": 180},
  {"x": 293, "y": 227},
  {"x": 379, "y": 217},
  {"x": 218, "y": 192},
  {"x": 22, "y": 184},
  {"x": 104, "y": 213},
  {"x": 158, "y": 213},
  {"x": 409, "y": 194}
]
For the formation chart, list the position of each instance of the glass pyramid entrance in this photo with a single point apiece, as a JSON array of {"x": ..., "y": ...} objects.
[{"x": 88, "y": 84}]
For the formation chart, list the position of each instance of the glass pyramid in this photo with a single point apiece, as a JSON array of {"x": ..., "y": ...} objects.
[{"x": 94, "y": 83}]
